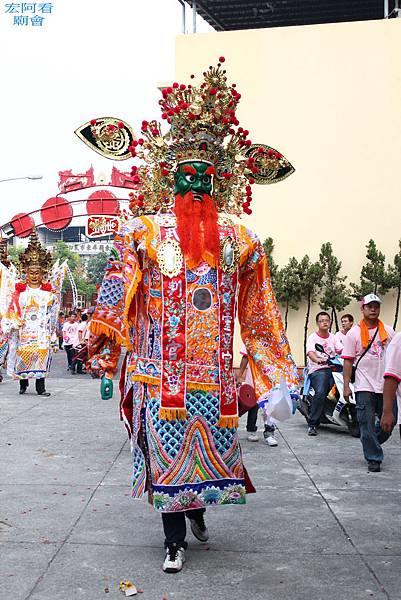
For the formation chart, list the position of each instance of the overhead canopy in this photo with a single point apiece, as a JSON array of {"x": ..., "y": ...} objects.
[{"x": 225, "y": 15}]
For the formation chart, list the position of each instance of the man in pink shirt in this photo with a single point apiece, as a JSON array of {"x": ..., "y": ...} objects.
[
  {"x": 392, "y": 385},
  {"x": 318, "y": 369},
  {"x": 347, "y": 322},
  {"x": 365, "y": 346}
]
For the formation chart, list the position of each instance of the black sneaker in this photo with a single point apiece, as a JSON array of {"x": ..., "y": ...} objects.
[
  {"x": 373, "y": 466},
  {"x": 312, "y": 431},
  {"x": 199, "y": 529},
  {"x": 174, "y": 560}
]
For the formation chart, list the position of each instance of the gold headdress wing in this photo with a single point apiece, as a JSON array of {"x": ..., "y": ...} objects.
[{"x": 203, "y": 126}]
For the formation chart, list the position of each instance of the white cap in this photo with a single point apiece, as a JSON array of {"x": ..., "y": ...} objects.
[{"x": 370, "y": 298}]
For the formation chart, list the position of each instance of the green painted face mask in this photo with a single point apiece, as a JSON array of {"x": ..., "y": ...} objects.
[{"x": 197, "y": 182}]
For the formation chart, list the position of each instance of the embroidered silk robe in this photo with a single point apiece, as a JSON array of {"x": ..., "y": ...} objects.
[
  {"x": 179, "y": 399},
  {"x": 31, "y": 327}
]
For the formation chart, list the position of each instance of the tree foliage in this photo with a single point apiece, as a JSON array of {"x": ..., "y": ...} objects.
[
  {"x": 96, "y": 267},
  {"x": 14, "y": 253},
  {"x": 374, "y": 276},
  {"x": 310, "y": 274},
  {"x": 287, "y": 287},
  {"x": 394, "y": 281},
  {"x": 335, "y": 293},
  {"x": 85, "y": 287},
  {"x": 268, "y": 246}
]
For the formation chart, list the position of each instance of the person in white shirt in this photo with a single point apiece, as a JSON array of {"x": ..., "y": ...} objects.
[
  {"x": 70, "y": 328},
  {"x": 245, "y": 376},
  {"x": 80, "y": 341},
  {"x": 347, "y": 322},
  {"x": 392, "y": 385}
]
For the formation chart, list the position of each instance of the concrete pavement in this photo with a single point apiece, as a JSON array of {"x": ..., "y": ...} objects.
[{"x": 320, "y": 526}]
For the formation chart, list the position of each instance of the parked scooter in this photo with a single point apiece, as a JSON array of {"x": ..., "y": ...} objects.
[{"x": 336, "y": 410}]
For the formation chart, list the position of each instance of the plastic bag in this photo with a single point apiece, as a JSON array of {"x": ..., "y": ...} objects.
[{"x": 279, "y": 406}]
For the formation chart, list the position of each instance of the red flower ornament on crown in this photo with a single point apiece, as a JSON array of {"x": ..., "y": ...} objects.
[{"x": 203, "y": 127}]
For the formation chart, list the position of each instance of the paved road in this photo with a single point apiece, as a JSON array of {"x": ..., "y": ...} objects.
[{"x": 319, "y": 528}]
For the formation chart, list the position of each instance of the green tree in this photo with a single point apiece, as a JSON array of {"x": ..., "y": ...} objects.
[
  {"x": 85, "y": 287},
  {"x": 394, "y": 281},
  {"x": 14, "y": 253},
  {"x": 335, "y": 293},
  {"x": 62, "y": 252},
  {"x": 268, "y": 246},
  {"x": 288, "y": 288},
  {"x": 374, "y": 276},
  {"x": 96, "y": 267},
  {"x": 311, "y": 280}
]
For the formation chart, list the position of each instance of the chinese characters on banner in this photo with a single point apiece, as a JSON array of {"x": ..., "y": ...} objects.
[
  {"x": 99, "y": 226},
  {"x": 28, "y": 13}
]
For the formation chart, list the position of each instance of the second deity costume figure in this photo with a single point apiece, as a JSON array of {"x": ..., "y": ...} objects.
[{"x": 30, "y": 321}]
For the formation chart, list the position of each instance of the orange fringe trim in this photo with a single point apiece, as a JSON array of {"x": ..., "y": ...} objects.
[
  {"x": 146, "y": 379},
  {"x": 99, "y": 328},
  {"x": 194, "y": 385},
  {"x": 172, "y": 414},
  {"x": 228, "y": 422},
  {"x": 128, "y": 299}
]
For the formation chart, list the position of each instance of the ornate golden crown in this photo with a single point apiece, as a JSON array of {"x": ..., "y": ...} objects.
[
  {"x": 35, "y": 255},
  {"x": 203, "y": 127}
]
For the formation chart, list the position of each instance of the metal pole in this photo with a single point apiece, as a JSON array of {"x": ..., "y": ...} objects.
[
  {"x": 386, "y": 9},
  {"x": 193, "y": 16},
  {"x": 25, "y": 177},
  {"x": 184, "y": 24}
]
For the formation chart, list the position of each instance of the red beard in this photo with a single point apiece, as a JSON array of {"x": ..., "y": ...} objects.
[{"x": 197, "y": 228}]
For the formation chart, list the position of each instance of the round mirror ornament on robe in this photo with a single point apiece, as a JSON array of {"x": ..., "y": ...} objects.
[
  {"x": 229, "y": 255},
  {"x": 169, "y": 257},
  {"x": 202, "y": 299}
]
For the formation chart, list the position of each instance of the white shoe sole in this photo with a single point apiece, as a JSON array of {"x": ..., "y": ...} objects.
[{"x": 170, "y": 568}]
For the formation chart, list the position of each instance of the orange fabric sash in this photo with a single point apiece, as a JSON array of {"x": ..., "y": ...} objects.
[{"x": 365, "y": 338}]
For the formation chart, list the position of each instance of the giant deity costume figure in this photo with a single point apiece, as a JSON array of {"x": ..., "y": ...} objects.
[
  {"x": 31, "y": 317},
  {"x": 179, "y": 273}
]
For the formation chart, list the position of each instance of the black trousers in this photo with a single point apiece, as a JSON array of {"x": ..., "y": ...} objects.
[
  {"x": 70, "y": 356},
  {"x": 321, "y": 381},
  {"x": 252, "y": 419},
  {"x": 39, "y": 385},
  {"x": 175, "y": 527}
]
